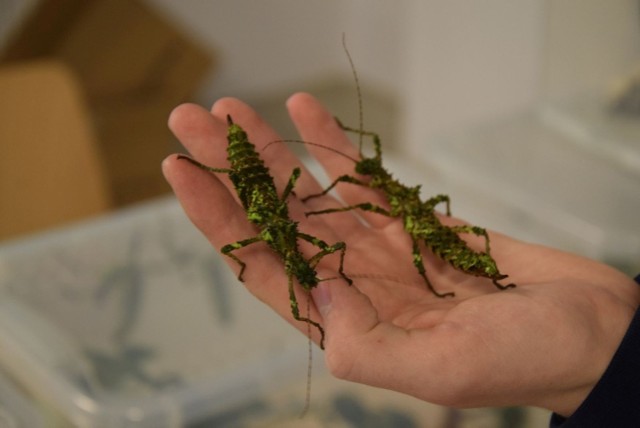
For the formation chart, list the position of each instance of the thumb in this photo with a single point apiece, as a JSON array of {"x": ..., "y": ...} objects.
[
  {"x": 358, "y": 346},
  {"x": 345, "y": 311},
  {"x": 348, "y": 317}
]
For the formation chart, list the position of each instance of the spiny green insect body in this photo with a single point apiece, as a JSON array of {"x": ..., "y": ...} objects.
[
  {"x": 269, "y": 212},
  {"x": 419, "y": 219}
]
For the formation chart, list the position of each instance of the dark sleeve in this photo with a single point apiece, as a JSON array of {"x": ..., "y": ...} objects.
[{"x": 615, "y": 400}]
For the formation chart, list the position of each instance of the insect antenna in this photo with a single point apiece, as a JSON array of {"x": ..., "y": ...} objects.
[
  {"x": 358, "y": 91},
  {"x": 385, "y": 277},
  {"x": 338, "y": 152},
  {"x": 307, "y": 400}
]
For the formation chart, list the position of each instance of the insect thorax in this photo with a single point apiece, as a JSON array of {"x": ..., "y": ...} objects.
[
  {"x": 405, "y": 201},
  {"x": 369, "y": 166},
  {"x": 255, "y": 187},
  {"x": 300, "y": 268}
]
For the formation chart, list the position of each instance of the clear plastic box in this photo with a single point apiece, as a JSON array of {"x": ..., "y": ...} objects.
[
  {"x": 130, "y": 321},
  {"x": 133, "y": 320}
]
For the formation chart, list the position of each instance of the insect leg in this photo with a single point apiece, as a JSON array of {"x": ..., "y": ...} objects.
[
  {"x": 365, "y": 206},
  {"x": 203, "y": 166},
  {"x": 295, "y": 174},
  {"x": 419, "y": 264},
  {"x": 227, "y": 249},
  {"x": 326, "y": 249},
  {"x": 479, "y": 231},
  {"x": 432, "y": 202},
  {"x": 295, "y": 311},
  {"x": 500, "y": 286},
  {"x": 375, "y": 137},
  {"x": 341, "y": 179},
  {"x": 475, "y": 230}
]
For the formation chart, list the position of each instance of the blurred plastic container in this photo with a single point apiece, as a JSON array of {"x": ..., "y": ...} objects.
[
  {"x": 133, "y": 320},
  {"x": 563, "y": 175}
]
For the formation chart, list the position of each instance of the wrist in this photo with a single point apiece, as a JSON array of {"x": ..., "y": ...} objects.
[{"x": 615, "y": 393}]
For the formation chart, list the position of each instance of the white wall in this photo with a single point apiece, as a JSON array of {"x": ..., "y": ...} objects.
[
  {"x": 451, "y": 63},
  {"x": 263, "y": 45},
  {"x": 469, "y": 62},
  {"x": 589, "y": 43}
]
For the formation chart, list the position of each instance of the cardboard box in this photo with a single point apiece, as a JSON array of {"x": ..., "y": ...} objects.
[
  {"x": 51, "y": 169},
  {"x": 134, "y": 67}
]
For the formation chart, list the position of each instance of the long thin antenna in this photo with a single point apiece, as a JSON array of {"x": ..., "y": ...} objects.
[
  {"x": 312, "y": 144},
  {"x": 355, "y": 78},
  {"x": 307, "y": 399}
]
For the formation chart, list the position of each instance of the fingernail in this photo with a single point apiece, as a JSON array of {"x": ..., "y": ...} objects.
[{"x": 322, "y": 298}]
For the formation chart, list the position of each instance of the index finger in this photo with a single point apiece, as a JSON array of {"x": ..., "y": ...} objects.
[
  {"x": 317, "y": 125},
  {"x": 281, "y": 161}
]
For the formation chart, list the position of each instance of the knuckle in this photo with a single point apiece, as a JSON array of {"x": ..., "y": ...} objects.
[{"x": 340, "y": 362}]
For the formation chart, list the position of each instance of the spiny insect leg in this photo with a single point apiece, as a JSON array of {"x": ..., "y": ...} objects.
[
  {"x": 503, "y": 287},
  {"x": 227, "y": 249},
  {"x": 376, "y": 138},
  {"x": 295, "y": 311},
  {"x": 480, "y": 231},
  {"x": 343, "y": 249},
  {"x": 295, "y": 174},
  {"x": 326, "y": 249},
  {"x": 434, "y": 201},
  {"x": 365, "y": 206},
  {"x": 341, "y": 179},
  {"x": 203, "y": 166},
  {"x": 475, "y": 230},
  {"x": 419, "y": 264}
]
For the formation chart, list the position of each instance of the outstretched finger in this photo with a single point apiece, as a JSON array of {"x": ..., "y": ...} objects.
[
  {"x": 213, "y": 210},
  {"x": 202, "y": 135},
  {"x": 214, "y": 207},
  {"x": 360, "y": 347},
  {"x": 317, "y": 126},
  {"x": 208, "y": 203},
  {"x": 281, "y": 161}
]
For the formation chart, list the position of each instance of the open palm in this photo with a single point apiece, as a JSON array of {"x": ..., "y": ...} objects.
[{"x": 481, "y": 347}]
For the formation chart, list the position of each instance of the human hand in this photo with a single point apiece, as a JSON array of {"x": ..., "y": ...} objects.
[{"x": 544, "y": 343}]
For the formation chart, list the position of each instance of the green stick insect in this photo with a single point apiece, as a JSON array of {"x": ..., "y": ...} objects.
[
  {"x": 419, "y": 217},
  {"x": 269, "y": 212}
]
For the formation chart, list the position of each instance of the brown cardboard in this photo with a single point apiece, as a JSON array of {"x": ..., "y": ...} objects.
[
  {"x": 51, "y": 170},
  {"x": 138, "y": 140},
  {"x": 43, "y": 29},
  {"x": 122, "y": 48},
  {"x": 134, "y": 67},
  {"x": 116, "y": 47}
]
